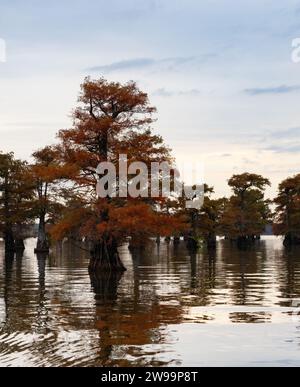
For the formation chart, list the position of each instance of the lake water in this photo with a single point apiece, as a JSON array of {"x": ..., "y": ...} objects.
[{"x": 229, "y": 308}]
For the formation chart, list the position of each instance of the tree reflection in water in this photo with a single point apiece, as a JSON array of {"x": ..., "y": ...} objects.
[
  {"x": 53, "y": 313},
  {"x": 128, "y": 323}
]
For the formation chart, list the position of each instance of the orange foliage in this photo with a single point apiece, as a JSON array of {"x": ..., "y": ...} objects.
[{"x": 112, "y": 119}]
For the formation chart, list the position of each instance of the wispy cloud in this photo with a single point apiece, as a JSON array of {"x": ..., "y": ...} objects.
[
  {"x": 282, "y": 89},
  {"x": 283, "y": 141},
  {"x": 124, "y": 65},
  {"x": 136, "y": 10},
  {"x": 142, "y": 63},
  {"x": 286, "y": 134},
  {"x": 173, "y": 93},
  {"x": 285, "y": 148},
  {"x": 226, "y": 155}
]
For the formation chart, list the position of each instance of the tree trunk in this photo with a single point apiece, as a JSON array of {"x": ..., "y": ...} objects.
[
  {"x": 192, "y": 244},
  {"x": 19, "y": 244},
  {"x": 19, "y": 240},
  {"x": 291, "y": 240},
  {"x": 211, "y": 241},
  {"x": 42, "y": 242},
  {"x": 242, "y": 240},
  {"x": 9, "y": 239},
  {"x": 245, "y": 241},
  {"x": 176, "y": 240},
  {"x": 105, "y": 286},
  {"x": 8, "y": 227},
  {"x": 105, "y": 257}
]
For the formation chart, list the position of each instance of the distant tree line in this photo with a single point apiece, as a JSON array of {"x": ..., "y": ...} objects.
[{"x": 58, "y": 188}]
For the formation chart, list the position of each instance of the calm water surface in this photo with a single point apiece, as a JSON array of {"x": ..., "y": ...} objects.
[{"x": 231, "y": 308}]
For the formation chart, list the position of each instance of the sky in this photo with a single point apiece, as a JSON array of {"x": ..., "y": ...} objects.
[{"x": 220, "y": 73}]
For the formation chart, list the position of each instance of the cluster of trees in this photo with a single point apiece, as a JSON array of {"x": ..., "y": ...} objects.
[
  {"x": 244, "y": 216},
  {"x": 58, "y": 187}
]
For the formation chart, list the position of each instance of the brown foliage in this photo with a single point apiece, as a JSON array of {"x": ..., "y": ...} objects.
[{"x": 111, "y": 119}]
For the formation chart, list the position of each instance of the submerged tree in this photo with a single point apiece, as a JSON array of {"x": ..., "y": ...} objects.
[
  {"x": 112, "y": 119},
  {"x": 287, "y": 219},
  {"x": 204, "y": 222},
  {"x": 23, "y": 213},
  {"x": 209, "y": 217},
  {"x": 247, "y": 212},
  {"x": 15, "y": 200},
  {"x": 45, "y": 174}
]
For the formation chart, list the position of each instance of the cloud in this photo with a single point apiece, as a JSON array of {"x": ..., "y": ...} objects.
[
  {"x": 283, "y": 89},
  {"x": 285, "y": 148},
  {"x": 286, "y": 134},
  {"x": 142, "y": 63},
  {"x": 134, "y": 11},
  {"x": 124, "y": 65},
  {"x": 163, "y": 93},
  {"x": 284, "y": 141},
  {"x": 192, "y": 92},
  {"x": 248, "y": 161},
  {"x": 226, "y": 155},
  {"x": 171, "y": 93}
]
